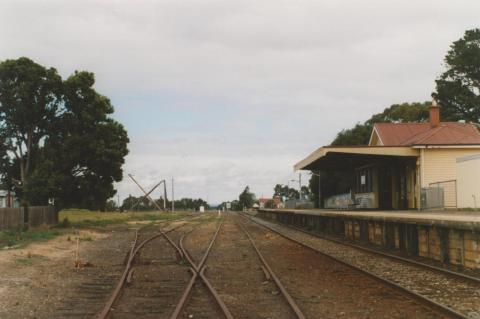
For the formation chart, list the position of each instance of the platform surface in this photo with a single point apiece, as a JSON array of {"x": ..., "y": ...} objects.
[{"x": 459, "y": 220}]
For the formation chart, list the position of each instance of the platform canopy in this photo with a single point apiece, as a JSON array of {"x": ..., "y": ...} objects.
[{"x": 339, "y": 157}]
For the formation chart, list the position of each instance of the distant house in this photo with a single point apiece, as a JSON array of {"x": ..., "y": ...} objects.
[
  {"x": 405, "y": 165},
  {"x": 276, "y": 202},
  {"x": 262, "y": 201},
  {"x": 7, "y": 199}
]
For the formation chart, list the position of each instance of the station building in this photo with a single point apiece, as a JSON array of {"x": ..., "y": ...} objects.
[{"x": 404, "y": 166}]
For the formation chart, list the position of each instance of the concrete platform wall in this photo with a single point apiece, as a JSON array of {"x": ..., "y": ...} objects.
[{"x": 445, "y": 244}]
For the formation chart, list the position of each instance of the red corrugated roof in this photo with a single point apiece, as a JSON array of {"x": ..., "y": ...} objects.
[{"x": 410, "y": 134}]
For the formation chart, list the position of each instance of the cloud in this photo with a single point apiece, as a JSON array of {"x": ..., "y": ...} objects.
[{"x": 221, "y": 94}]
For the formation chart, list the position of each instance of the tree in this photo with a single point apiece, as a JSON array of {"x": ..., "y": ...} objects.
[
  {"x": 246, "y": 199},
  {"x": 399, "y": 113},
  {"x": 111, "y": 206},
  {"x": 29, "y": 102},
  {"x": 285, "y": 191},
  {"x": 68, "y": 148},
  {"x": 458, "y": 88}
]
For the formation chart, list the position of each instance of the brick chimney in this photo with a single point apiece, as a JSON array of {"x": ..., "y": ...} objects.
[{"x": 434, "y": 114}]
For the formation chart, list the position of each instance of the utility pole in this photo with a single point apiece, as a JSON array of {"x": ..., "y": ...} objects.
[
  {"x": 165, "y": 193},
  {"x": 173, "y": 197}
]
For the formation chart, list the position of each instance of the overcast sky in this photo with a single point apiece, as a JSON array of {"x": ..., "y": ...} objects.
[{"x": 223, "y": 94}]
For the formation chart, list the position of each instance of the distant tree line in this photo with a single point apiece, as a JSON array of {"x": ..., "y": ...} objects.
[
  {"x": 130, "y": 202},
  {"x": 57, "y": 139}
]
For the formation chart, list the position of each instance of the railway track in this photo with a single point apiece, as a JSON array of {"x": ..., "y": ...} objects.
[
  {"x": 153, "y": 249},
  {"x": 198, "y": 270},
  {"x": 242, "y": 277},
  {"x": 453, "y": 294},
  {"x": 202, "y": 308}
]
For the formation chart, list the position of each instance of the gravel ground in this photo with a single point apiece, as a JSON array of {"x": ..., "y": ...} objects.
[
  {"x": 461, "y": 295},
  {"x": 201, "y": 304},
  {"x": 327, "y": 289},
  {"x": 235, "y": 271}
]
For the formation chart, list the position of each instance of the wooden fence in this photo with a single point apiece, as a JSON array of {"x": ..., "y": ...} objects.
[{"x": 37, "y": 215}]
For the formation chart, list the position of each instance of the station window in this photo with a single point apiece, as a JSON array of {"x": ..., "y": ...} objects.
[{"x": 364, "y": 181}]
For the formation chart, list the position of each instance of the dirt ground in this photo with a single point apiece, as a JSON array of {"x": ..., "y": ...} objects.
[{"x": 40, "y": 280}]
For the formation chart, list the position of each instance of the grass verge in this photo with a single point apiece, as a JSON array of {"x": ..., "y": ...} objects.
[{"x": 85, "y": 218}]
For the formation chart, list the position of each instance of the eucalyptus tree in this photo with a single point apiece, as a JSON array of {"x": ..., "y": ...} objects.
[
  {"x": 458, "y": 88},
  {"x": 30, "y": 101},
  {"x": 58, "y": 139}
]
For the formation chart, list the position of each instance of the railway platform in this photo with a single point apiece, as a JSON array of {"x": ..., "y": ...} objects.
[{"x": 448, "y": 237}]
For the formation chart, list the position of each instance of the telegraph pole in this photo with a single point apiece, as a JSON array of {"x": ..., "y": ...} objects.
[{"x": 165, "y": 193}]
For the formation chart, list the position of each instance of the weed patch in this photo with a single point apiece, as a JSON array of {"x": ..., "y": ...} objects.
[
  {"x": 17, "y": 237},
  {"x": 24, "y": 261}
]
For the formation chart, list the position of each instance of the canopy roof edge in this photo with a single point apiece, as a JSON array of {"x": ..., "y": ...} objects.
[{"x": 361, "y": 150}]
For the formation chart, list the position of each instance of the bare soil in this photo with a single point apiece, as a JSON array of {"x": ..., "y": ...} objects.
[{"x": 41, "y": 280}]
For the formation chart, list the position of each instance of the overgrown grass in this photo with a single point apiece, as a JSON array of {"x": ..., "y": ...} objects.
[
  {"x": 85, "y": 218},
  {"x": 17, "y": 237}
]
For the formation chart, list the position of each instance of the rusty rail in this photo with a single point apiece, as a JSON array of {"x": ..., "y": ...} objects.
[
  {"x": 419, "y": 264},
  {"x": 198, "y": 270},
  {"x": 408, "y": 292},
  {"x": 277, "y": 281},
  {"x": 127, "y": 272}
]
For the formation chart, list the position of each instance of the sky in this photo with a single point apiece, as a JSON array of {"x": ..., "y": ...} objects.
[{"x": 222, "y": 94}]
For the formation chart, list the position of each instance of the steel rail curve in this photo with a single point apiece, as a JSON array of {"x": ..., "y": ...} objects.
[
  {"x": 198, "y": 270},
  {"x": 126, "y": 273},
  {"x": 421, "y": 298},
  {"x": 277, "y": 281}
]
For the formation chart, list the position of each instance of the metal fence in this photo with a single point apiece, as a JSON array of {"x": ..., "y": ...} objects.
[
  {"x": 36, "y": 216},
  {"x": 449, "y": 192}
]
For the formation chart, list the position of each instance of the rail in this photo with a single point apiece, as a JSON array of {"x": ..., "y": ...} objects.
[
  {"x": 127, "y": 271},
  {"x": 421, "y": 298},
  {"x": 272, "y": 275},
  {"x": 198, "y": 270}
]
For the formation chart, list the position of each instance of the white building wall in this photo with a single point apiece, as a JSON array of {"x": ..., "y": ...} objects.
[
  {"x": 440, "y": 165},
  {"x": 468, "y": 181}
]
